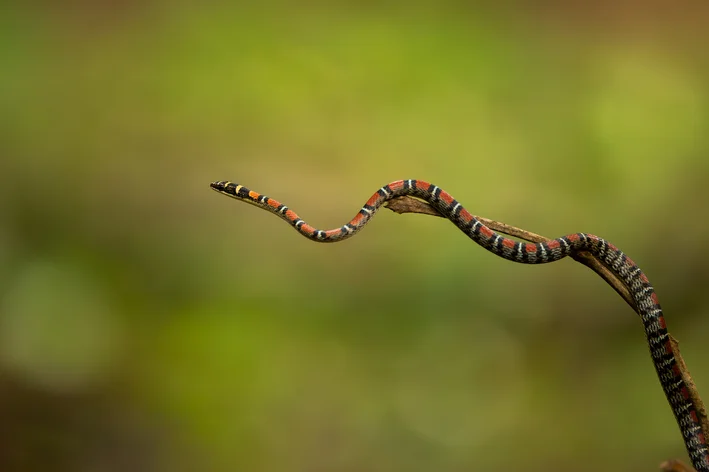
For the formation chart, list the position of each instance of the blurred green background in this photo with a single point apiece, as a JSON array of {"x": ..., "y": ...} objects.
[{"x": 149, "y": 324}]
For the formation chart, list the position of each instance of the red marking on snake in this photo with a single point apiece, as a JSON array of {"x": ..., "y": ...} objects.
[
  {"x": 446, "y": 197},
  {"x": 373, "y": 199},
  {"x": 466, "y": 216},
  {"x": 357, "y": 220},
  {"x": 397, "y": 185},
  {"x": 307, "y": 229},
  {"x": 685, "y": 393}
]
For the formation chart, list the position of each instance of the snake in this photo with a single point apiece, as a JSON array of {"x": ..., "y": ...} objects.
[{"x": 684, "y": 407}]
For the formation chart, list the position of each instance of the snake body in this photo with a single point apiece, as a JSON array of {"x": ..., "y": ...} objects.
[{"x": 661, "y": 350}]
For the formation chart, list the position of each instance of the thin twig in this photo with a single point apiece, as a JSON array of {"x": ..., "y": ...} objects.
[{"x": 412, "y": 205}]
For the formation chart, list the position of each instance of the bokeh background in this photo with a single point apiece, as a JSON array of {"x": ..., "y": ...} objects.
[{"x": 149, "y": 324}]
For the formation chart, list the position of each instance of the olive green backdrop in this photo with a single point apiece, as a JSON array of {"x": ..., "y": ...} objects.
[{"x": 149, "y": 324}]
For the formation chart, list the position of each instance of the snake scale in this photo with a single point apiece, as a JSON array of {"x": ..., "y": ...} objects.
[{"x": 663, "y": 356}]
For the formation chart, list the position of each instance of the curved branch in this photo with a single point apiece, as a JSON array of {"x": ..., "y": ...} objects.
[{"x": 412, "y": 205}]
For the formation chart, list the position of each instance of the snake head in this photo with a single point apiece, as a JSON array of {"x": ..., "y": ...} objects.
[
  {"x": 224, "y": 186},
  {"x": 231, "y": 189},
  {"x": 220, "y": 186}
]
